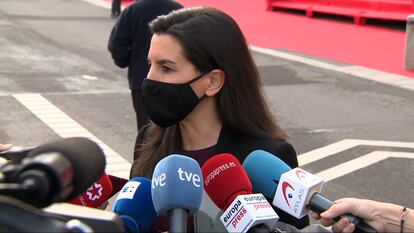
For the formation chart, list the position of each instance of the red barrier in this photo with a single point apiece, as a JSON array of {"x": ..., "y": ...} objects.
[{"x": 358, "y": 9}]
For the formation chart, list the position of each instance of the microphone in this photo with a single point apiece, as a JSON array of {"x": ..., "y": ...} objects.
[
  {"x": 96, "y": 194},
  {"x": 207, "y": 218},
  {"x": 177, "y": 189},
  {"x": 230, "y": 189},
  {"x": 134, "y": 205},
  {"x": 98, "y": 220},
  {"x": 297, "y": 190},
  {"x": 54, "y": 172}
]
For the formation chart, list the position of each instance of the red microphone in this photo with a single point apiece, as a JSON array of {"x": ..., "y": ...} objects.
[
  {"x": 229, "y": 187},
  {"x": 96, "y": 194},
  {"x": 225, "y": 179}
]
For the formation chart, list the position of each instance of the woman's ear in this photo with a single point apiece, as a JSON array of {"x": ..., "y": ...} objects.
[{"x": 217, "y": 78}]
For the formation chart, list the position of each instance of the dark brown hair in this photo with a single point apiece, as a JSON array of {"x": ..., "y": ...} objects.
[{"x": 212, "y": 40}]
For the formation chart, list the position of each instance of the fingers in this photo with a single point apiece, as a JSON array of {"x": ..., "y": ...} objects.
[
  {"x": 344, "y": 226},
  {"x": 314, "y": 215},
  {"x": 342, "y": 206},
  {"x": 4, "y": 147}
]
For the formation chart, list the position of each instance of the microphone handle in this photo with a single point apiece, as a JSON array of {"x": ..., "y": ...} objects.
[
  {"x": 261, "y": 228},
  {"x": 178, "y": 220},
  {"x": 319, "y": 204}
]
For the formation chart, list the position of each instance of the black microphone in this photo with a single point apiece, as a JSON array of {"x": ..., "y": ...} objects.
[
  {"x": 16, "y": 216},
  {"x": 54, "y": 172}
]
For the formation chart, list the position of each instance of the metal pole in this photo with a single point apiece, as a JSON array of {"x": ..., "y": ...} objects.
[
  {"x": 178, "y": 220},
  {"x": 409, "y": 43}
]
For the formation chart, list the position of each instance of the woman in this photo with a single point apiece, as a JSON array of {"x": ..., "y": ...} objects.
[{"x": 204, "y": 96}]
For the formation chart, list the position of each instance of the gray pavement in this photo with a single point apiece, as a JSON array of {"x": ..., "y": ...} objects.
[{"x": 57, "y": 48}]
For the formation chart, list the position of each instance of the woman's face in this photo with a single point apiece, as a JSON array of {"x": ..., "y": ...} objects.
[{"x": 167, "y": 61}]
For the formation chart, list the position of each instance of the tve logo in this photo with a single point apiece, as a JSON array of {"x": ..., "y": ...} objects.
[
  {"x": 158, "y": 181},
  {"x": 183, "y": 175},
  {"x": 189, "y": 177}
]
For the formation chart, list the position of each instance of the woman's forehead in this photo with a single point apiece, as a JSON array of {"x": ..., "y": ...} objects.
[{"x": 165, "y": 47}]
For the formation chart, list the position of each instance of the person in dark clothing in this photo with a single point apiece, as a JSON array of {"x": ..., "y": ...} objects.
[
  {"x": 115, "y": 8},
  {"x": 129, "y": 43},
  {"x": 204, "y": 95}
]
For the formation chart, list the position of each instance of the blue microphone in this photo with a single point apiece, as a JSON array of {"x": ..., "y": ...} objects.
[
  {"x": 134, "y": 205},
  {"x": 264, "y": 171},
  {"x": 177, "y": 189}
]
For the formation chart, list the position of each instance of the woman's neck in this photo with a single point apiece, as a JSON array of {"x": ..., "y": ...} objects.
[{"x": 201, "y": 129}]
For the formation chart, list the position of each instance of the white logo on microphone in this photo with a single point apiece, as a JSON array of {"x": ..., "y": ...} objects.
[{"x": 94, "y": 192}]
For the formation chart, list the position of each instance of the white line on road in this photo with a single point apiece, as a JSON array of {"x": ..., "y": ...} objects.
[
  {"x": 66, "y": 127},
  {"x": 357, "y": 71},
  {"x": 360, "y": 162},
  {"x": 346, "y": 144}
]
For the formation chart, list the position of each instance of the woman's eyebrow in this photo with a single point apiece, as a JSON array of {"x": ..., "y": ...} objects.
[{"x": 165, "y": 62}]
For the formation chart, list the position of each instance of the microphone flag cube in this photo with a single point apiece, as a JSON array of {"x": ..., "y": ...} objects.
[
  {"x": 247, "y": 211},
  {"x": 294, "y": 191}
]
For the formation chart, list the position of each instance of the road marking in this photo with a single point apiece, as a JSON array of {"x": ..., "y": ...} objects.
[
  {"x": 360, "y": 162},
  {"x": 346, "y": 144},
  {"x": 65, "y": 127},
  {"x": 100, "y": 3},
  {"x": 357, "y": 71}
]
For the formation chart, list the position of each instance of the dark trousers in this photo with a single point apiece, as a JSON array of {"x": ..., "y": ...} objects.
[
  {"x": 116, "y": 8},
  {"x": 141, "y": 115}
]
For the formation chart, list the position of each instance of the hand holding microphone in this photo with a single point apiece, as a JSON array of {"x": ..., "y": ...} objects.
[
  {"x": 297, "y": 190},
  {"x": 177, "y": 189},
  {"x": 384, "y": 217}
]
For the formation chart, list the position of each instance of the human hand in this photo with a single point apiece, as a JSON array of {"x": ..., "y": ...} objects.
[
  {"x": 4, "y": 147},
  {"x": 368, "y": 210}
]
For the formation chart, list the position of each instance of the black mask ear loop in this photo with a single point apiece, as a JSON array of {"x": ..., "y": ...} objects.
[{"x": 197, "y": 78}]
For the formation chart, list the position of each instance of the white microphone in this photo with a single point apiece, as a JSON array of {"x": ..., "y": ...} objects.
[
  {"x": 247, "y": 211},
  {"x": 296, "y": 189}
]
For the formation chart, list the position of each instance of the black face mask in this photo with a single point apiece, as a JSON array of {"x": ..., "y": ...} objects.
[{"x": 167, "y": 103}]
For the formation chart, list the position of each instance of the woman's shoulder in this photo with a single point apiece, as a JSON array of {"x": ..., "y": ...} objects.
[{"x": 243, "y": 145}]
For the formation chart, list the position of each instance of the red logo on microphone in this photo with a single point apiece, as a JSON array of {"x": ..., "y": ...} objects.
[
  {"x": 94, "y": 192},
  {"x": 301, "y": 174},
  {"x": 286, "y": 185}
]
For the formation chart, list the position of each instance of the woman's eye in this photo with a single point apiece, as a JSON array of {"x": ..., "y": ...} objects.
[{"x": 166, "y": 69}]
